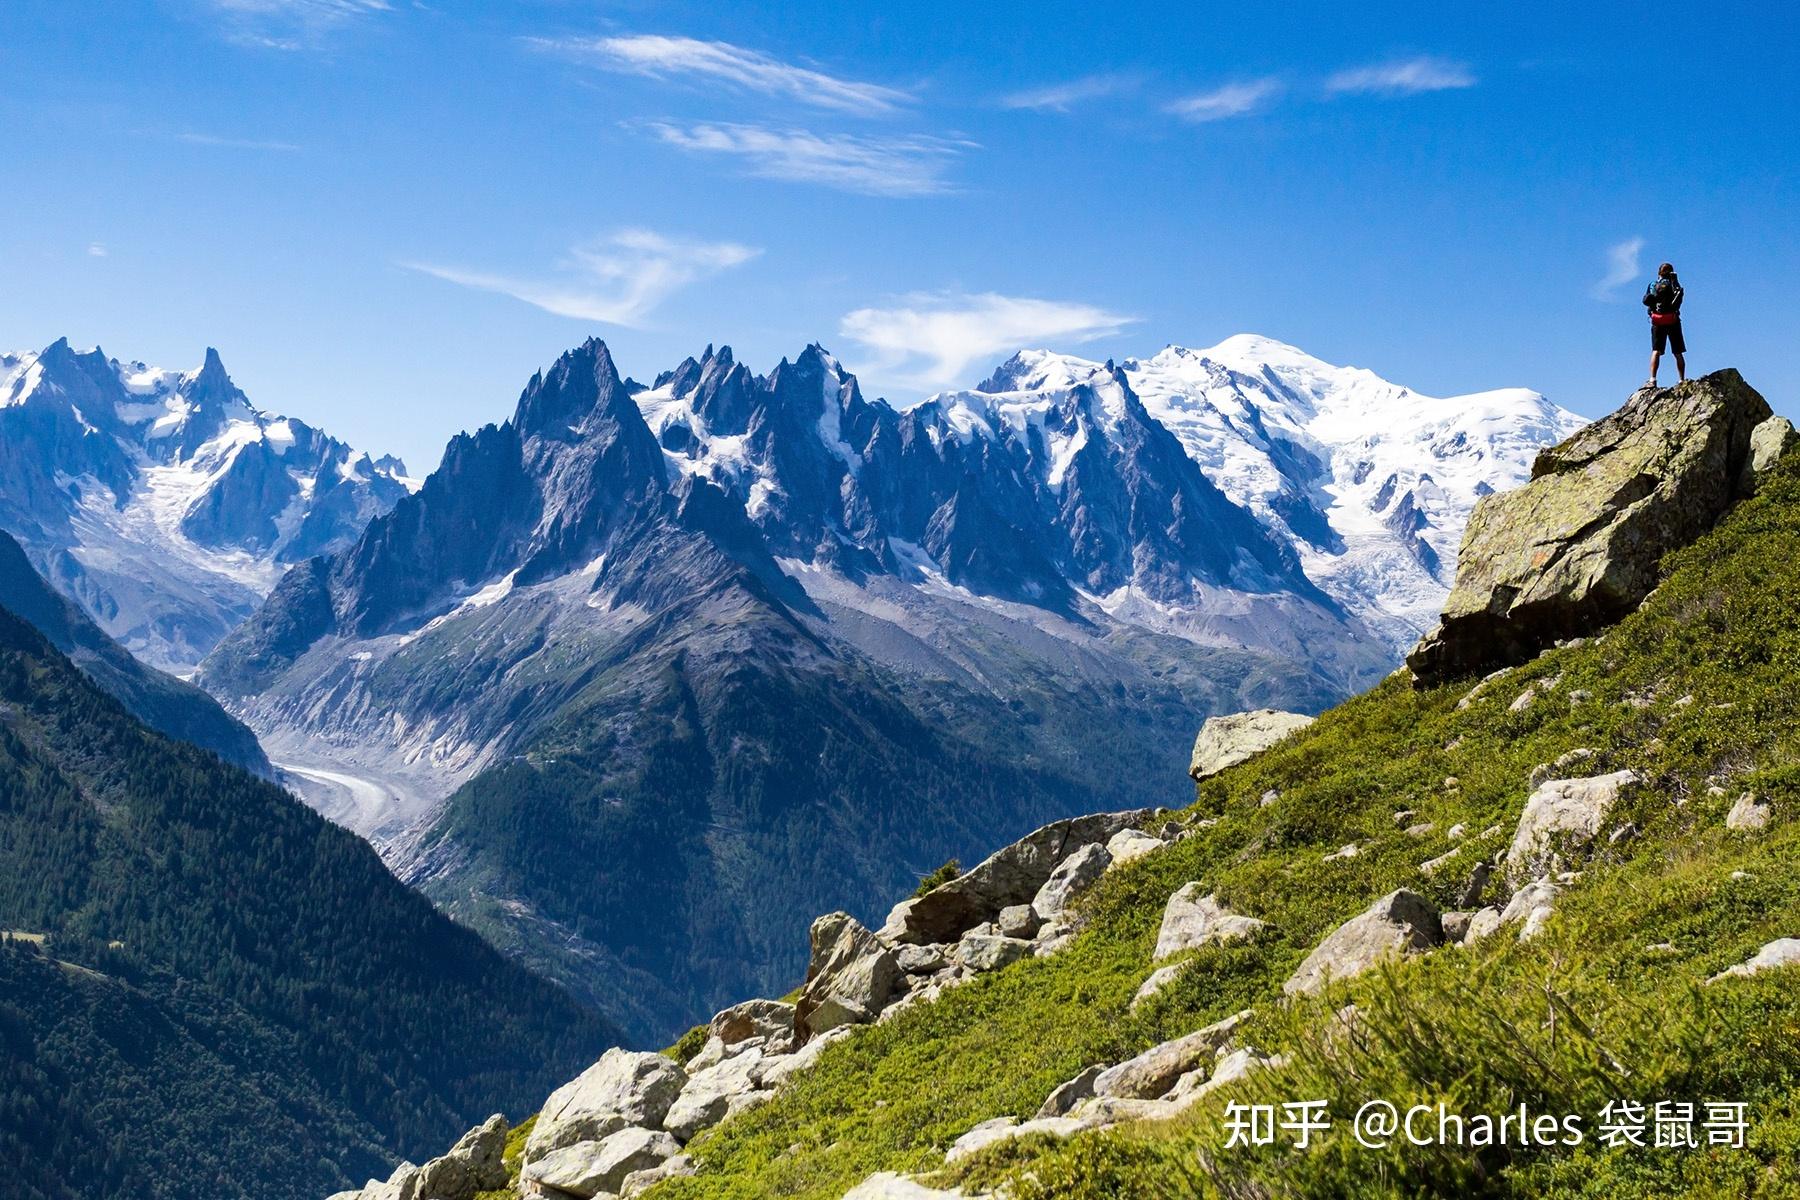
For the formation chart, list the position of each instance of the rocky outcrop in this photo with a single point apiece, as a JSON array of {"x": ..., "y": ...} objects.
[
  {"x": 624, "y": 1089},
  {"x": 1581, "y": 545},
  {"x": 1400, "y": 923},
  {"x": 849, "y": 979},
  {"x": 1191, "y": 920},
  {"x": 1563, "y": 817},
  {"x": 1237, "y": 737},
  {"x": 1011, "y": 875},
  {"x": 473, "y": 1165},
  {"x": 589, "y": 1169}
]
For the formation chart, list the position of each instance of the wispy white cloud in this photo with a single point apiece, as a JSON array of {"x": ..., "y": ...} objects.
[
  {"x": 875, "y": 166},
  {"x": 618, "y": 280},
  {"x": 1622, "y": 266},
  {"x": 735, "y": 67},
  {"x": 1402, "y": 77},
  {"x": 928, "y": 340},
  {"x": 1061, "y": 97},
  {"x": 235, "y": 143},
  {"x": 96, "y": 250},
  {"x": 288, "y": 24},
  {"x": 1231, "y": 100}
]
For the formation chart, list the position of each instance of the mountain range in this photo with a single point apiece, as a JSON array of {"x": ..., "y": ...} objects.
[
  {"x": 639, "y": 680},
  {"x": 163, "y": 502}
]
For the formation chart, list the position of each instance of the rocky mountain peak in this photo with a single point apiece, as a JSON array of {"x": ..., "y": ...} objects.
[{"x": 582, "y": 382}]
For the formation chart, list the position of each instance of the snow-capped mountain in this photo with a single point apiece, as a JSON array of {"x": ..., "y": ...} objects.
[
  {"x": 634, "y": 638},
  {"x": 164, "y": 502},
  {"x": 1371, "y": 483}
]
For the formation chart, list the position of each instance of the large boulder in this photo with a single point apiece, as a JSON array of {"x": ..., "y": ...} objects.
[
  {"x": 1563, "y": 816},
  {"x": 850, "y": 978},
  {"x": 1581, "y": 544},
  {"x": 707, "y": 1097},
  {"x": 1011, "y": 875},
  {"x": 624, "y": 1088},
  {"x": 599, "y": 1168},
  {"x": 1191, "y": 920},
  {"x": 473, "y": 1165},
  {"x": 1399, "y": 923},
  {"x": 1237, "y": 737}
]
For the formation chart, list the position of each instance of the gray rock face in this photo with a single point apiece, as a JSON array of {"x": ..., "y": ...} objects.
[
  {"x": 1237, "y": 737},
  {"x": 624, "y": 1088},
  {"x": 1191, "y": 920},
  {"x": 850, "y": 978},
  {"x": 1564, "y": 816},
  {"x": 1581, "y": 544},
  {"x": 639, "y": 1182},
  {"x": 1399, "y": 923},
  {"x": 1010, "y": 875},
  {"x": 1072, "y": 876},
  {"x": 588, "y": 1169}
]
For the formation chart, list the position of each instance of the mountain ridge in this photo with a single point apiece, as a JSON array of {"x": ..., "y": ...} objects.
[
  {"x": 164, "y": 502},
  {"x": 584, "y": 619}
]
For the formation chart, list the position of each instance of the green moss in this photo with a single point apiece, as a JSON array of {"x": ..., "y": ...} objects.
[{"x": 1695, "y": 692}]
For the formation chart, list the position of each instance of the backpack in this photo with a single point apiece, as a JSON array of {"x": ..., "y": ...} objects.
[{"x": 1663, "y": 299}]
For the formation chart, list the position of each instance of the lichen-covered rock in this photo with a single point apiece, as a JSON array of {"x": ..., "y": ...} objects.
[
  {"x": 1191, "y": 920},
  {"x": 1011, "y": 875},
  {"x": 1581, "y": 544},
  {"x": 624, "y": 1088},
  {"x": 1237, "y": 737},
  {"x": 850, "y": 977},
  {"x": 1399, "y": 923},
  {"x": 1564, "y": 816}
]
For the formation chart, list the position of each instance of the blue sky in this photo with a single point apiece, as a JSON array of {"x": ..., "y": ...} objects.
[{"x": 386, "y": 215}]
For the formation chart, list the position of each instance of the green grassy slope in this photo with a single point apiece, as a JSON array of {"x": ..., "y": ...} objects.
[{"x": 1696, "y": 691}]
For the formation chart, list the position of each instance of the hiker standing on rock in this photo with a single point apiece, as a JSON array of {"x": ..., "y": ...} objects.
[{"x": 1663, "y": 299}]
